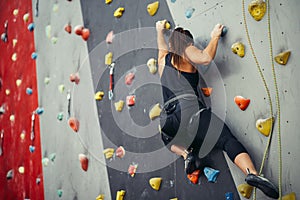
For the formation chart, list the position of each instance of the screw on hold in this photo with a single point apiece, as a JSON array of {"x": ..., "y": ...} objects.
[
  {"x": 1, "y": 142},
  {"x": 4, "y": 35}
]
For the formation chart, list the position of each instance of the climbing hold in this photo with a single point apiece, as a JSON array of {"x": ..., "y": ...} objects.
[
  {"x": 257, "y": 9},
  {"x": 68, "y": 28},
  {"x": 55, "y": 7},
  {"x": 22, "y": 135},
  {"x": 74, "y": 124},
  {"x": 224, "y": 31},
  {"x": 34, "y": 55},
  {"x": 15, "y": 12},
  {"x": 108, "y": 58},
  {"x": 167, "y": 25},
  {"x": 155, "y": 111},
  {"x": 239, "y": 49},
  {"x": 85, "y": 34},
  {"x": 99, "y": 95},
  {"x": 194, "y": 177},
  {"x": 245, "y": 190},
  {"x": 151, "y": 63},
  {"x": 211, "y": 174},
  {"x": 283, "y": 57},
  {"x": 61, "y": 88},
  {"x": 290, "y": 196},
  {"x": 10, "y": 174},
  {"x": 100, "y": 197},
  {"x": 119, "y": 105},
  {"x": 229, "y": 196},
  {"x": 48, "y": 31},
  {"x": 265, "y": 126},
  {"x": 78, "y": 29},
  {"x": 54, "y": 40},
  {"x": 83, "y": 161},
  {"x": 174, "y": 198},
  {"x": 120, "y": 152},
  {"x": 12, "y": 118},
  {"x": 4, "y": 37},
  {"x": 38, "y": 180},
  {"x": 59, "y": 192},
  {"x": 207, "y": 91},
  {"x": 119, "y": 12},
  {"x": 241, "y": 102},
  {"x": 108, "y": 152},
  {"x": 120, "y": 195},
  {"x": 45, "y": 161},
  {"x": 110, "y": 37},
  {"x": 39, "y": 110},
  {"x": 2, "y": 109},
  {"x": 108, "y": 1},
  {"x": 46, "y": 80},
  {"x": 60, "y": 116},
  {"x": 18, "y": 82},
  {"x": 52, "y": 156},
  {"x": 75, "y": 78},
  {"x": 31, "y": 148},
  {"x": 155, "y": 182},
  {"x": 14, "y": 57},
  {"x": 152, "y": 8},
  {"x": 30, "y": 27},
  {"x": 29, "y": 91},
  {"x": 129, "y": 78},
  {"x": 189, "y": 12},
  {"x": 132, "y": 169},
  {"x": 14, "y": 41},
  {"x": 173, "y": 1},
  {"x": 26, "y": 17},
  {"x": 130, "y": 100}
]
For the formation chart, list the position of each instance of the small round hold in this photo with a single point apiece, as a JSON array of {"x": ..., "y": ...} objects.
[
  {"x": 39, "y": 110},
  {"x": 31, "y": 148},
  {"x": 21, "y": 169},
  {"x": 12, "y": 118},
  {"x": 29, "y": 91},
  {"x": 34, "y": 55},
  {"x": 4, "y": 37},
  {"x": 30, "y": 27},
  {"x": 60, "y": 116},
  {"x": 224, "y": 31}
]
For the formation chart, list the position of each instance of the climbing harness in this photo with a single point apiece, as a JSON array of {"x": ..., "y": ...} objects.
[{"x": 269, "y": 96}]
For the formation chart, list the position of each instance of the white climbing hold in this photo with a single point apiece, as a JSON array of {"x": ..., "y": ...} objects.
[
  {"x": 151, "y": 63},
  {"x": 26, "y": 17},
  {"x": 14, "y": 57}
]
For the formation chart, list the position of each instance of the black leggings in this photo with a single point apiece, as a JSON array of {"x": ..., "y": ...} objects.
[{"x": 175, "y": 130}]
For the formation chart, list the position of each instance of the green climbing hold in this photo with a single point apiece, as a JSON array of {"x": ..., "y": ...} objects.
[
  {"x": 60, "y": 116},
  {"x": 59, "y": 192}
]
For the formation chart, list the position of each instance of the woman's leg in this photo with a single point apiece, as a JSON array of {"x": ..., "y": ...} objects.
[{"x": 244, "y": 162}]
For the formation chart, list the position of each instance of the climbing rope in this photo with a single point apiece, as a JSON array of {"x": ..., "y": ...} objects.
[{"x": 269, "y": 96}]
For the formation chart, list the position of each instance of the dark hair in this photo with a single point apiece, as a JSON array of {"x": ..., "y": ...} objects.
[{"x": 178, "y": 41}]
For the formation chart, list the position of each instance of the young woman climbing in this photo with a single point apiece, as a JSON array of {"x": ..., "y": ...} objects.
[{"x": 184, "y": 119}]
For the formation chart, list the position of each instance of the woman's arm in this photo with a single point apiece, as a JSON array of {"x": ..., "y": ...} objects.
[
  {"x": 162, "y": 45},
  {"x": 204, "y": 57}
]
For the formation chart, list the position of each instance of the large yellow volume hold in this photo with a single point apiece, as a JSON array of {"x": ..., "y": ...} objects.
[
  {"x": 152, "y": 8},
  {"x": 155, "y": 182}
]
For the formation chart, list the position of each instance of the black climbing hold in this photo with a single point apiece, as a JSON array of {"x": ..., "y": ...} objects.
[{"x": 224, "y": 31}]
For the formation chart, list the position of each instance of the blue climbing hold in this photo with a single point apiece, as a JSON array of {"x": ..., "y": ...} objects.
[
  {"x": 211, "y": 174},
  {"x": 173, "y": 1},
  {"x": 39, "y": 110},
  {"x": 34, "y": 55},
  {"x": 189, "y": 12},
  {"x": 30, "y": 27},
  {"x": 31, "y": 148},
  {"x": 224, "y": 31},
  {"x": 29, "y": 91},
  {"x": 229, "y": 196}
]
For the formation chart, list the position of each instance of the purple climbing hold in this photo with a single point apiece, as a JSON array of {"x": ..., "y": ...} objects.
[
  {"x": 211, "y": 174},
  {"x": 30, "y": 27},
  {"x": 29, "y": 91},
  {"x": 189, "y": 12}
]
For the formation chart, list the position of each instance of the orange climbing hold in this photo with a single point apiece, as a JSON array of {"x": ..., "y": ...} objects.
[
  {"x": 74, "y": 78},
  {"x": 207, "y": 91},
  {"x": 194, "y": 177},
  {"x": 74, "y": 123},
  {"x": 68, "y": 28},
  {"x": 78, "y": 29},
  {"x": 85, "y": 34},
  {"x": 241, "y": 102},
  {"x": 84, "y": 161}
]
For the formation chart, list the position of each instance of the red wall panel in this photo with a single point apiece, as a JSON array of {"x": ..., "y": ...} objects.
[{"x": 16, "y": 150}]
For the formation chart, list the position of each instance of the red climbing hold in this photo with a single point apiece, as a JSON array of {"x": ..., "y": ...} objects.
[
  {"x": 241, "y": 102},
  {"x": 207, "y": 91},
  {"x": 130, "y": 100},
  {"x": 78, "y": 29},
  {"x": 85, "y": 34},
  {"x": 129, "y": 78},
  {"x": 194, "y": 177},
  {"x": 74, "y": 124},
  {"x": 68, "y": 28},
  {"x": 74, "y": 78},
  {"x": 84, "y": 161}
]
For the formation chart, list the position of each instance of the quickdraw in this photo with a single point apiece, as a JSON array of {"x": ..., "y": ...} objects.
[
  {"x": 111, "y": 81},
  {"x": 269, "y": 96}
]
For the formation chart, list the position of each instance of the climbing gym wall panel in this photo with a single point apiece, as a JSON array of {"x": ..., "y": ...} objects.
[{"x": 21, "y": 174}]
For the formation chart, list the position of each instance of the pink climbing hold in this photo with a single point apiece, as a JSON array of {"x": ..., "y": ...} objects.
[
  {"x": 109, "y": 37},
  {"x": 120, "y": 152},
  {"x": 75, "y": 78},
  {"x": 130, "y": 100},
  {"x": 129, "y": 78}
]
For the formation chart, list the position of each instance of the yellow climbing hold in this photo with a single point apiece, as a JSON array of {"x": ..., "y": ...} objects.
[
  {"x": 21, "y": 169},
  {"x": 283, "y": 57},
  {"x": 119, "y": 105},
  {"x": 174, "y": 198},
  {"x": 257, "y": 9},
  {"x": 151, "y": 63},
  {"x": 119, "y": 12},
  {"x": 18, "y": 82},
  {"x": 290, "y": 196},
  {"x": 239, "y": 49},
  {"x": 108, "y": 152},
  {"x": 152, "y": 8},
  {"x": 167, "y": 25},
  {"x": 155, "y": 111},
  {"x": 99, "y": 95},
  {"x": 14, "y": 42},
  {"x": 155, "y": 182},
  {"x": 108, "y": 58},
  {"x": 245, "y": 190},
  {"x": 264, "y": 126},
  {"x": 100, "y": 197},
  {"x": 108, "y": 1},
  {"x": 14, "y": 57},
  {"x": 120, "y": 195}
]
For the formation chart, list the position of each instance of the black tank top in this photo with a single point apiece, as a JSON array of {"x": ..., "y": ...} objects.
[{"x": 175, "y": 82}]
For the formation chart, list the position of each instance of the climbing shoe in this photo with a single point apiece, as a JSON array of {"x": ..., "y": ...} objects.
[
  {"x": 191, "y": 163},
  {"x": 263, "y": 184}
]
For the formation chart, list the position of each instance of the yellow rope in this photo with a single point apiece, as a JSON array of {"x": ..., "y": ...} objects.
[{"x": 269, "y": 97}]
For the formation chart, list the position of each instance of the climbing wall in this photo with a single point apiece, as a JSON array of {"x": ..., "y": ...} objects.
[{"x": 21, "y": 175}]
